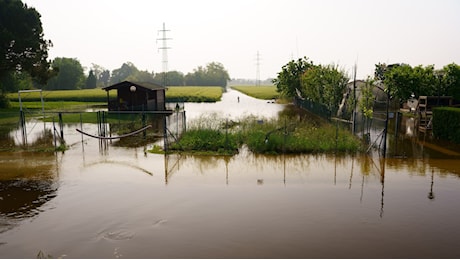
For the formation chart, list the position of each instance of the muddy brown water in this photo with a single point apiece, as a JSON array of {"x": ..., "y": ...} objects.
[{"x": 123, "y": 202}]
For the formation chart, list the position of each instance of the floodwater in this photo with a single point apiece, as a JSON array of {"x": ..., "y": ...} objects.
[{"x": 123, "y": 202}]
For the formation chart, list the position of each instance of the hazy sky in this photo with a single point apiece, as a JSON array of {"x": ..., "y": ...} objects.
[{"x": 343, "y": 32}]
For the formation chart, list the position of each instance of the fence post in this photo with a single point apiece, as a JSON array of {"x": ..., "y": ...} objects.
[
  {"x": 386, "y": 127},
  {"x": 61, "y": 126}
]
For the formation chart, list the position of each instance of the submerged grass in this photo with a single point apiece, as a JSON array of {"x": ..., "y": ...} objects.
[
  {"x": 300, "y": 137},
  {"x": 208, "y": 135},
  {"x": 278, "y": 136}
]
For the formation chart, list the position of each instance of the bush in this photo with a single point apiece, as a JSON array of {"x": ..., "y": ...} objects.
[
  {"x": 277, "y": 136},
  {"x": 446, "y": 123},
  {"x": 4, "y": 101}
]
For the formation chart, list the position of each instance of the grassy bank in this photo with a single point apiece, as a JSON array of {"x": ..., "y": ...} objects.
[
  {"x": 173, "y": 94},
  {"x": 81, "y": 95},
  {"x": 218, "y": 135},
  {"x": 260, "y": 92}
]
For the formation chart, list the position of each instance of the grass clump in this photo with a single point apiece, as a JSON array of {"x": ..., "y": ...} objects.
[
  {"x": 276, "y": 136},
  {"x": 208, "y": 135},
  {"x": 293, "y": 136}
]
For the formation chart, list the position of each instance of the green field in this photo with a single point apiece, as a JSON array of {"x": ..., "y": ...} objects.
[
  {"x": 260, "y": 92},
  {"x": 84, "y": 95},
  {"x": 59, "y": 99},
  {"x": 193, "y": 94}
]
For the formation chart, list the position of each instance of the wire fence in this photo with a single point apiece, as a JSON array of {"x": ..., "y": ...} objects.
[
  {"x": 22, "y": 129},
  {"x": 315, "y": 108}
]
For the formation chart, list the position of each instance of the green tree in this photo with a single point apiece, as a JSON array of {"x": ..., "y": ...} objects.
[
  {"x": 91, "y": 80},
  {"x": 141, "y": 76},
  {"x": 121, "y": 74},
  {"x": 70, "y": 75},
  {"x": 289, "y": 79},
  {"x": 196, "y": 78},
  {"x": 401, "y": 81},
  {"x": 14, "y": 81},
  {"x": 214, "y": 74},
  {"x": 366, "y": 100},
  {"x": 103, "y": 79},
  {"x": 325, "y": 85},
  {"x": 102, "y": 75},
  {"x": 173, "y": 78},
  {"x": 450, "y": 81},
  {"x": 22, "y": 47}
]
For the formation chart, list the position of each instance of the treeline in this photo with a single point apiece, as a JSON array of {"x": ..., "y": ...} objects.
[
  {"x": 326, "y": 84},
  {"x": 402, "y": 80},
  {"x": 69, "y": 75}
]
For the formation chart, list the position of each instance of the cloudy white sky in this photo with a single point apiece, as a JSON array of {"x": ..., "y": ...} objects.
[{"x": 343, "y": 32}]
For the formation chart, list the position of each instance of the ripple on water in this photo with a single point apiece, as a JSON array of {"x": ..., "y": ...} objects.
[
  {"x": 159, "y": 222},
  {"x": 117, "y": 235}
]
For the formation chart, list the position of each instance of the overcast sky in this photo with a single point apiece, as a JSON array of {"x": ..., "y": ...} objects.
[{"x": 343, "y": 32}]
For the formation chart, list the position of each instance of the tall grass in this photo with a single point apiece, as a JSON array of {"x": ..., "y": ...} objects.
[
  {"x": 267, "y": 137},
  {"x": 287, "y": 136},
  {"x": 208, "y": 134}
]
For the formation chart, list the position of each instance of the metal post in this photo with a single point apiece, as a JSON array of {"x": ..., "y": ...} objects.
[
  {"x": 165, "y": 135},
  {"x": 61, "y": 126},
  {"x": 54, "y": 134},
  {"x": 81, "y": 127},
  {"x": 386, "y": 127}
]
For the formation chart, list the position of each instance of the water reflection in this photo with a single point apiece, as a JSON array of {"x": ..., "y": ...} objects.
[
  {"x": 27, "y": 182},
  {"x": 127, "y": 202}
]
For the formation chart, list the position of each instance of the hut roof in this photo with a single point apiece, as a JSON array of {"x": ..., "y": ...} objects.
[{"x": 127, "y": 84}]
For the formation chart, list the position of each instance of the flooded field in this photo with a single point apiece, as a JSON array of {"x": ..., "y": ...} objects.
[{"x": 119, "y": 202}]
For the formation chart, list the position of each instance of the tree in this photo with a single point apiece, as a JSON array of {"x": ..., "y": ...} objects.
[
  {"x": 325, "y": 85},
  {"x": 450, "y": 79},
  {"x": 141, "y": 76},
  {"x": 366, "y": 100},
  {"x": 196, "y": 78},
  {"x": 213, "y": 75},
  {"x": 103, "y": 79},
  {"x": 22, "y": 47},
  {"x": 70, "y": 75},
  {"x": 216, "y": 74},
  {"x": 102, "y": 75},
  {"x": 127, "y": 69},
  {"x": 289, "y": 79},
  {"x": 173, "y": 78},
  {"x": 401, "y": 81},
  {"x": 91, "y": 81}
]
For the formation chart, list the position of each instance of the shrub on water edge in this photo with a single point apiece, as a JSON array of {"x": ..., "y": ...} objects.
[
  {"x": 278, "y": 136},
  {"x": 446, "y": 123},
  {"x": 199, "y": 140}
]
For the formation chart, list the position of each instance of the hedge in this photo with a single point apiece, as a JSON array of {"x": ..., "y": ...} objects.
[{"x": 446, "y": 123}]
